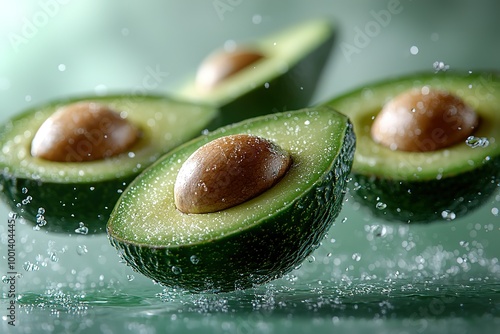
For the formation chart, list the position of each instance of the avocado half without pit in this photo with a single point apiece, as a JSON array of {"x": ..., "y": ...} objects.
[
  {"x": 239, "y": 206},
  {"x": 272, "y": 74},
  {"x": 428, "y": 144},
  {"x": 63, "y": 165}
]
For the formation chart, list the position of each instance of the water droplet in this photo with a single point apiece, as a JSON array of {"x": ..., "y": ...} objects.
[
  {"x": 474, "y": 142},
  {"x": 61, "y": 67},
  {"x": 381, "y": 205},
  {"x": 311, "y": 258},
  {"x": 414, "y": 50},
  {"x": 356, "y": 257},
  {"x": 379, "y": 230},
  {"x": 176, "y": 270},
  {"x": 194, "y": 259},
  {"x": 256, "y": 19},
  {"x": 30, "y": 266},
  {"x": 81, "y": 250},
  {"x": 53, "y": 257},
  {"x": 494, "y": 211},
  {"x": 344, "y": 220},
  {"x": 357, "y": 186},
  {"x": 27, "y": 200},
  {"x": 440, "y": 66},
  {"x": 24, "y": 190},
  {"x": 41, "y": 211},
  {"x": 6, "y": 279},
  {"x": 448, "y": 215},
  {"x": 82, "y": 229},
  {"x": 130, "y": 278},
  {"x": 464, "y": 243},
  {"x": 40, "y": 219},
  {"x": 266, "y": 85}
]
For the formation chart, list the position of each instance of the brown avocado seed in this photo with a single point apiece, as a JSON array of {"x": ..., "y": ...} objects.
[
  {"x": 423, "y": 120},
  {"x": 221, "y": 65},
  {"x": 228, "y": 171},
  {"x": 83, "y": 131}
]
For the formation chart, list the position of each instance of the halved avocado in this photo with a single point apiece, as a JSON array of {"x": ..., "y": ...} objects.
[
  {"x": 250, "y": 243},
  {"x": 79, "y": 196},
  {"x": 284, "y": 78},
  {"x": 441, "y": 184}
]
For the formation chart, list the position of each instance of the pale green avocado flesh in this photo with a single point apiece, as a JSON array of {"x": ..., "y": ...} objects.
[
  {"x": 253, "y": 242},
  {"x": 426, "y": 186},
  {"x": 61, "y": 196},
  {"x": 284, "y": 79}
]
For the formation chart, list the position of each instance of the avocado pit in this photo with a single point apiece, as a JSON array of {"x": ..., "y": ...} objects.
[
  {"x": 83, "y": 131},
  {"x": 223, "y": 64},
  {"x": 229, "y": 171},
  {"x": 422, "y": 120}
]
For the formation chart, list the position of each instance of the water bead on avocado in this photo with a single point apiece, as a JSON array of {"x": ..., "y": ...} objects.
[
  {"x": 424, "y": 119},
  {"x": 228, "y": 171},
  {"x": 83, "y": 131}
]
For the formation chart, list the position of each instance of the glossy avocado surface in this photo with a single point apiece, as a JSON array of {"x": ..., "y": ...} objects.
[
  {"x": 78, "y": 197},
  {"x": 438, "y": 185},
  {"x": 250, "y": 243},
  {"x": 285, "y": 78}
]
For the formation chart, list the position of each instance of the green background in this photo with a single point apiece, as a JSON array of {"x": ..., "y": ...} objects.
[{"x": 367, "y": 276}]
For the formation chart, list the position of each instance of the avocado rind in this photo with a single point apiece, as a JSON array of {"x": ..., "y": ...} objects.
[
  {"x": 272, "y": 245},
  {"x": 70, "y": 194},
  {"x": 289, "y": 84},
  {"x": 403, "y": 186}
]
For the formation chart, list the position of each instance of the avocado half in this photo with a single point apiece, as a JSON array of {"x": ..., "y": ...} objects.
[
  {"x": 426, "y": 186},
  {"x": 253, "y": 242},
  {"x": 79, "y": 196},
  {"x": 284, "y": 79}
]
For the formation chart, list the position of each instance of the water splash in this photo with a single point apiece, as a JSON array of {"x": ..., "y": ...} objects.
[
  {"x": 475, "y": 142},
  {"x": 30, "y": 266},
  {"x": 440, "y": 66},
  {"x": 81, "y": 250},
  {"x": 82, "y": 229},
  {"x": 448, "y": 215}
]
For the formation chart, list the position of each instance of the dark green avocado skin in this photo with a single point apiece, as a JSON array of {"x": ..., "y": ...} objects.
[
  {"x": 291, "y": 91},
  {"x": 71, "y": 204},
  {"x": 430, "y": 200},
  {"x": 263, "y": 249}
]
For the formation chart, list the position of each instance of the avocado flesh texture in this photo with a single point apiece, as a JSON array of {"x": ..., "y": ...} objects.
[
  {"x": 285, "y": 79},
  {"x": 86, "y": 192},
  {"x": 251, "y": 243},
  {"x": 428, "y": 186}
]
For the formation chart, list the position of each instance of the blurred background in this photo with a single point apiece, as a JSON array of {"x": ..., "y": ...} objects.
[{"x": 368, "y": 275}]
